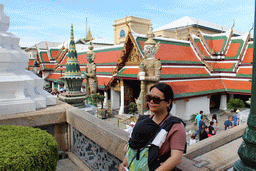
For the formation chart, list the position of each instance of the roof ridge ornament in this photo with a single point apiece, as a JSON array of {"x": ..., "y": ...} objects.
[
  {"x": 126, "y": 22},
  {"x": 233, "y": 24},
  {"x": 251, "y": 29},
  {"x": 150, "y": 36}
]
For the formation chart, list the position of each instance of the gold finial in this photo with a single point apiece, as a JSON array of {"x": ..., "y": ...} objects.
[
  {"x": 252, "y": 27},
  {"x": 197, "y": 27},
  {"x": 126, "y": 22},
  {"x": 233, "y": 24},
  {"x": 63, "y": 44},
  {"x": 47, "y": 46}
]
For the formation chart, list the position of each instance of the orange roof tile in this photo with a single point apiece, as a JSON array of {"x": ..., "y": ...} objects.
[
  {"x": 248, "y": 58},
  {"x": 54, "y": 76},
  {"x": 49, "y": 66},
  {"x": 191, "y": 88},
  {"x": 174, "y": 52},
  {"x": 173, "y": 71},
  {"x": 245, "y": 71},
  {"x": 238, "y": 85},
  {"x": 55, "y": 53},
  {"x": 82, "y": 58},
  {"x": 201, "y": 48},
  {"x": 31, "y": 62},
  {"x": 221, "y": 65},
  {"x": 104, "y": 70},
  {"x": 233, "y": 49},
  {"x": 44, "y": 57},
  {"x": 103, "y": 81},
  {"x": 107, "y": 57},
  {"x": 218, "y": 44}
]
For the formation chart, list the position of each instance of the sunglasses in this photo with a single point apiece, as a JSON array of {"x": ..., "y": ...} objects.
[{"x": 156, "y": 100}]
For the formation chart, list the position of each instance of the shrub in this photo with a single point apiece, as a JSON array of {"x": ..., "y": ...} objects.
[
  {"x": 235, "y": 104},
  {"x": 193, "y": 118},
  {"x": 133, "y": 108},
  {"x": 27, "y": 148}
]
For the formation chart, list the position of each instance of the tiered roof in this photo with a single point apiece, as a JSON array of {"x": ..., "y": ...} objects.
[{"x": 203, "y": 65}]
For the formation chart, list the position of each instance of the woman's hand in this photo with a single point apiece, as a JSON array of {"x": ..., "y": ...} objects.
[{"x": 123, "y": 165}]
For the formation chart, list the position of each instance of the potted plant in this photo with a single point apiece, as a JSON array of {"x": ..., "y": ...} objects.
[
  {"x": 101, "y": 113},
  {"x": 235, "y": 104},
  {"x": 133, "y": 109}
]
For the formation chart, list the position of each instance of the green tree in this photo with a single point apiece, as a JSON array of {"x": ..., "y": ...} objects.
[
  {"x": 235, "y": 104},
  {"x": 97, "y": 98},
  {"x": 133, "y": 108}
]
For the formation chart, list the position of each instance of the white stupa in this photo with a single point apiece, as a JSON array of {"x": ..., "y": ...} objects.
[{"x": 20, "y": 89}]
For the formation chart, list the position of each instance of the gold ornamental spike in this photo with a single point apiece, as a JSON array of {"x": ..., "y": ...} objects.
[{"x": 126, "y": 22}]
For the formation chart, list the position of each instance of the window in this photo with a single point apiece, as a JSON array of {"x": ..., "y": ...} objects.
[{"x": 122, "y": 33}]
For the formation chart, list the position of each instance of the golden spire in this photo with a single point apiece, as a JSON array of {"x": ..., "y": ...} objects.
[{"x": 89, "y": 35}]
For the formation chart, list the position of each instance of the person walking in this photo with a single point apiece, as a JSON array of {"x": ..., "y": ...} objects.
[
  {"x": 201, "y": 128},
  {"x": 236, "y": 120},
  {"x": 228, "y": 123},
  {"x": 198, "y": 118}
]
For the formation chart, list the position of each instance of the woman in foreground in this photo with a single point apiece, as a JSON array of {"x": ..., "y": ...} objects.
[{"x": 160, "y": 101}]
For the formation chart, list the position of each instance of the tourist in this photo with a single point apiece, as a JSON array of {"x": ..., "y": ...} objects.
[
  {"x": 228, "y": 123},
  {"x": 211, "y": 128},
  {"x": 236, "y": 120},
  {"x": 159, "y": 101},
  {"x": 215, "y": 121},
  {"x": 201, "y": 127},
  {"x": 192, "y": 140},
  {"x": 198, "y": 118},
  {"x": 204, "y": 133}
]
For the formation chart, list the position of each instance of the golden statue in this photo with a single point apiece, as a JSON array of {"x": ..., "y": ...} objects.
[
  {"x": 149, "y": 70},
  {"x": 90, "y": 73}
]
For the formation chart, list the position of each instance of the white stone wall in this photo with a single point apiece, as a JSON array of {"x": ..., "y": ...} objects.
[
  {"x": 194, "y": 105},
  {"x": 180, "y": 109}
]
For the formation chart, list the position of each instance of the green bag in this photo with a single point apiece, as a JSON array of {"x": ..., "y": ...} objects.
[{"x": 137, "y": 165}]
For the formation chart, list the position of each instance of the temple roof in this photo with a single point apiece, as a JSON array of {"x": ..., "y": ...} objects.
[
  {"x": 43, "y": 45},
  {"x": 191, "y": 71},
  {"x": 190, "y": 21}
]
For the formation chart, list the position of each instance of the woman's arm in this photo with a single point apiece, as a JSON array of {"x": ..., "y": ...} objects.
[
  {"x": 171, "y": 162},
  {"x": 124, "y": 164}
]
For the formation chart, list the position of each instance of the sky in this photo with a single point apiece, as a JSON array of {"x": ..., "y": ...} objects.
[{"x": 34, "y": 21}]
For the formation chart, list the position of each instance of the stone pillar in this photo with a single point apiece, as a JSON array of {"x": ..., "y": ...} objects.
[
  {"x": 208, "y": 103},
  {"x": 223, "y": 102},
  {"x": 247, "y": 150},
  {"x": 105, "y": 104},
  {"x": 115, "y": 99},
  {"x": 52, "y": 86},
  {"x": 121, "y": 111}
]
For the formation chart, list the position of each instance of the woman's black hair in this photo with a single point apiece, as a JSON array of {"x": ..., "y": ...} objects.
[
  {"x": 167, "y": 91},
  {"x": 214, "y": 116}
]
